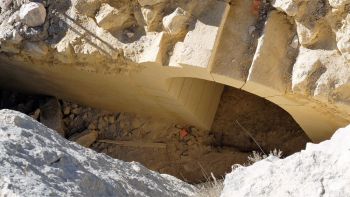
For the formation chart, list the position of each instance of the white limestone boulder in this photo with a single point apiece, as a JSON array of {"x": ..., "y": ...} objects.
[
  {"x": 319, "y": 170},
  {"x": 37, "y": 161},
  {"x": 32, "y": 14}
]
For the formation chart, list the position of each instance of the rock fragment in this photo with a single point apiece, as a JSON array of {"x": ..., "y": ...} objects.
[
  {"x": 85, "y": 138},
  {"x": 109, "y": 17},
  {"x": 338, "y": 3},
  {"x": 295, "y": 42},
  {"x": 5, "y": 4},
  {"x": 16, "y": 38},
  {"x": 45, "y": 164},
  {"x": 175, "y": 23},
  {"x": 51, "y": 115},
  {"x": 35, "y": 49},
  {"x": 150, "y": 2},
  {"x": 32, "y": 14}
]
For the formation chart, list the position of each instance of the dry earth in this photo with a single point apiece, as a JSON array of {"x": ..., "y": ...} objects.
[{"x": 167, "y": 147}]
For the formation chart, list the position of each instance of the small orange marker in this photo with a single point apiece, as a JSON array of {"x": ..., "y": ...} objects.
[
  {"x": 183, "y": 133},
  {"x": 256, "y": 7}
]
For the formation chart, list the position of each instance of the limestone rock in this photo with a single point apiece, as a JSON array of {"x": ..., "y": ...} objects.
[
  {"x": 338, "y": 3},
  {"x": 5, "y": 4},
  {"x": 306, "y": 71},
  {"x": 176, "y": 22},
  {"x": 109, "y": 17},
  {"x": 343, "y": 38},
  {"x": 290, "y": 7},
  {"x": 35, "y": 49},
  {"x": 268, "y": 70},
  {"x": 86, "y": 138},
  {"x": 150, "y": 2},
  {"x": 36, "y": 161},
  {"x": 51, "y": 115},
  {"x": 152, "y": 16},
  {"x": 32, "y": 14},
  {"x": 307, "y": 35},
  {"x": 319, "y": 170},
  {"x": 14, "y": 18},
  {"x": 87, "y": 7}
]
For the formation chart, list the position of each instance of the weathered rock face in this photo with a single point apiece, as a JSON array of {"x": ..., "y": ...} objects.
[
  {"x": 36, "y": 161},
  {"x": 319, "y": 170},
  {"x": 169, "y": 58}
]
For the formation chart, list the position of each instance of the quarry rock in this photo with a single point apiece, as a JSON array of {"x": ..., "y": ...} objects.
[
  {"x": 319, "y": 170},
  {"x": 36, "y": 161},
  {"x": 32, "y": 14},
  {"x": 307, "y": 35},
  {"x": 290, "y": 7},
  {"x": 295, "y": 42}
]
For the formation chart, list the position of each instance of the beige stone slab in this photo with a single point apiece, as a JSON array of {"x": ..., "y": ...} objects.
[
  {"x": 268, "y": 74},
  {"x": 199, "y": 44},
  {"x": 233, "y": 58}
]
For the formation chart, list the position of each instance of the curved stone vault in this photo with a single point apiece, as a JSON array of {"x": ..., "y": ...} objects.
[{"x": 172, "y": 58}]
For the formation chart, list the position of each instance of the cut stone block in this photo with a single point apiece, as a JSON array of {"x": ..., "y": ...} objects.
[{"x": 268, "y": 74}]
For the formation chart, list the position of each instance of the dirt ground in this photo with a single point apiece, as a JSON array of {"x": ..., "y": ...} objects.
[{"x": 167, "y": 147}]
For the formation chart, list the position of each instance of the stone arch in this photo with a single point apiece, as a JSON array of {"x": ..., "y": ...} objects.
[{"x": 227, "y": 45}]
